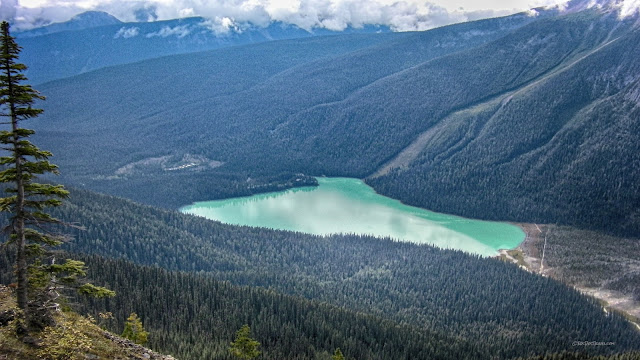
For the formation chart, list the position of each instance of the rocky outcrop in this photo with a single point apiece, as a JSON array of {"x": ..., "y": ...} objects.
[{"x": 137, "y": 351}]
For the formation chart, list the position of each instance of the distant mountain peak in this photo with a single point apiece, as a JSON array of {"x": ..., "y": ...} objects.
[
  {"x": 85, "y": 20},
  {"x": 94, "y": 18}
]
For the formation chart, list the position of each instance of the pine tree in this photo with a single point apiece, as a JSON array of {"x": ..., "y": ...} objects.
[
  {"x": 244, "y": 347},
  {"x": 337, "y": 355},
  {"x": 28, "y": 199},
  {"x": 134, "y": 331}
]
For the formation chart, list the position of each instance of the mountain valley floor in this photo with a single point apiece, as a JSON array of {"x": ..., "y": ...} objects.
[{"x": 599, "y": 265}]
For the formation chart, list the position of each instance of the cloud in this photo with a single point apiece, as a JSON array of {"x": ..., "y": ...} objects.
[
  {"x": 222, "y": 25},
  {"x": 126, "y": 33},
  {"x": 625, "y": 8},
  {"x": 226, "y": 15},
  {"x": 179, "y": 31},
  {"x": 532, "y": 12},
  {"x": 145, "y": 13},
  {"x": 400, "y": 15},
  {"x": 8, "y": 9},
  {"x": 629, "y": 8}
]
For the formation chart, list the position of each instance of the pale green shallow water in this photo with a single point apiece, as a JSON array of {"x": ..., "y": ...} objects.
[{"x": 345, "y": 205}]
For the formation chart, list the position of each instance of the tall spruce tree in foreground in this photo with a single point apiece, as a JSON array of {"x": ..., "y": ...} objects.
[{"x": 38, "y": 283}]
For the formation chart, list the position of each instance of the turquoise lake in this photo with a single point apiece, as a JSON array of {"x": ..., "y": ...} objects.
[{"x": 345, "y": 205}]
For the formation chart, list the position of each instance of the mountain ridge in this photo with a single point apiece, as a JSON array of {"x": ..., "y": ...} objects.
[
  {"x": 85, "y": 20},
  {"x": 71, "y": 48},
  {"x": 349, "y": 112}
]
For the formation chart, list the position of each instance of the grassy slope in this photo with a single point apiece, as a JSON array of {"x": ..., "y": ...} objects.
[{"x": 102, "y": 345}]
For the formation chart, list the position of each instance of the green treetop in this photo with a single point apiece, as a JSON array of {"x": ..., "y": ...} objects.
[
  {"x": 244, "y": 347},
  {"x": 134, "y": 331}
]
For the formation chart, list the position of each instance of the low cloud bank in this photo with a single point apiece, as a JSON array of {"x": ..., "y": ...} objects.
[{"x": 228, "y": 15}]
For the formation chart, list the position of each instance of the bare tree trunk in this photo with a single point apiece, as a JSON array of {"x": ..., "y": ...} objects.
[{"x": 21, "y": 268}]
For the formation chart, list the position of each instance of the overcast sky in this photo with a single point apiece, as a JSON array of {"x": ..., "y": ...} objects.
[{"x": 401, "y": 15}]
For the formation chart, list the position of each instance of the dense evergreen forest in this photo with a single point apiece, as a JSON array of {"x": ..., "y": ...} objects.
[
  {"x": 233, "y": 80},
  {"x": 193, "y": 316},
  {"x": 493, "y": 305}
]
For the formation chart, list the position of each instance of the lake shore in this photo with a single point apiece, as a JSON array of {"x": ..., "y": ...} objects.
[
  {"x": 350, "y": 206},
  {"x": 528, "y": 255}
]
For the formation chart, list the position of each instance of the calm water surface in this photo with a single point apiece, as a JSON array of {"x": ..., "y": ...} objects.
[{"x": 344, "y": 205}]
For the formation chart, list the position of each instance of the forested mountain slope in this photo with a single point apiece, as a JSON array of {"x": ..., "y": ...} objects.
[
  {"x": 530, "y": 119},
  {"x": 494, "y": 305},
  {"x": 563, "y": 148},
  {"x": 220, "y": 102}
]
